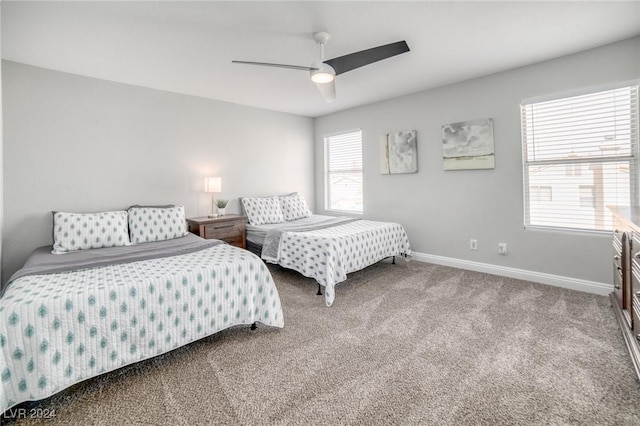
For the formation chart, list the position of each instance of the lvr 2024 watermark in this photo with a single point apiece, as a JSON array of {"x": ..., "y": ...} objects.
[{"x": 30, "y": 413}]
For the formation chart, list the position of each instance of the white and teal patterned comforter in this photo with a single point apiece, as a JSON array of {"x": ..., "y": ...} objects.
[
  {"x": 329, "y": 253},
  {"x": 59, "y": 329}
]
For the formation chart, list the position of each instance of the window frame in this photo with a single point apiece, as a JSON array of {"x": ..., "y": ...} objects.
[
  {"x": 328, "y": 173},
  {"x": 633, "y": 159}
]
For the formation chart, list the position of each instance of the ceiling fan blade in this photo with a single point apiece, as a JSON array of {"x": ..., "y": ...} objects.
[
  {"x": 328, "y": 90},
  {"x": 268, "y": 64},
  {"x": 359, "y": 59}
]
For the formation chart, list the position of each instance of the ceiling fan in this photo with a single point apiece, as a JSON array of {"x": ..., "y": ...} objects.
[{"x": 323, "y": 72}]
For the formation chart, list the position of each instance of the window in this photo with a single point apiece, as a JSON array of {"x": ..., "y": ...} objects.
[
  {"x": 587, "y": 196},
  {"x": 583, "y": 150},
  {"x": 343, "y": 172},
  {"x": 541, "y": 193}
]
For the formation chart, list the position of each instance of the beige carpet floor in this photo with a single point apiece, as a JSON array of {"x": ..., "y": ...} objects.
[{"x": 410, "y": 343}]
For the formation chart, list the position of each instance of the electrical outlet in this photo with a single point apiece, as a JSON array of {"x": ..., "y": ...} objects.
[
  {"x": 473, "y": 244},
  {"x": 502, "y": 248}
]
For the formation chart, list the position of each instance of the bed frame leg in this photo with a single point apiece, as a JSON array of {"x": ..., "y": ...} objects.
[
  {"x": 254, "y": 326},
  {"x": 393, "y": 262},
  {"x": 319, "y": 293}
]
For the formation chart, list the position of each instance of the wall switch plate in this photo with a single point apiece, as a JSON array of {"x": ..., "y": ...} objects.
[
  {"x": 502, "y": 248},
  {"x": 473, "y": 244}
]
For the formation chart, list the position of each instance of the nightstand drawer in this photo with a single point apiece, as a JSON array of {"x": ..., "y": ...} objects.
[{"x": 223, "y": 230}]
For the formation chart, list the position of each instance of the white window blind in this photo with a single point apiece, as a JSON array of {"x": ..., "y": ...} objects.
[
  {"x": 583, "y": 150},
  {"x": 343, "y": 172}
]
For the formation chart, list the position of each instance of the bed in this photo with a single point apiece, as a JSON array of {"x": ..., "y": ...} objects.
[
  {"x": 324, "y": 248},
  {"x": 66, "y": 318}
]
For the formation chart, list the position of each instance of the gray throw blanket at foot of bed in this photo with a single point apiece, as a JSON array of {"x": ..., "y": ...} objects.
[{"x": 272, "y": 240}]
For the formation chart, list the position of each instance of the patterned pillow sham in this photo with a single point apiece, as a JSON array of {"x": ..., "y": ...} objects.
[
  {"x": 294, "y": 207},
  {"x": 156, "y": 223},
  {"x": 263, "y": 210},
  {"x": 81, "y": 231}
]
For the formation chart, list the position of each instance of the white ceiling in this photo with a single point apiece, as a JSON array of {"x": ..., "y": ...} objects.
[{"x": 187, "y": 47}]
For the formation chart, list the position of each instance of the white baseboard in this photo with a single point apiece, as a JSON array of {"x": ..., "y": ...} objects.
[{"x": 602, "y": 289}]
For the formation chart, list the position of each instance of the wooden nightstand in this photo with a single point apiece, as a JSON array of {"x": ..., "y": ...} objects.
[{"x": 230, "y": 228}]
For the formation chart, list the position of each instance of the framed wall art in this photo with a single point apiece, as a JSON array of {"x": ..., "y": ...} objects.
[
  {"x": 398, "y": 152},
  {"x": 468, "y": 145}
]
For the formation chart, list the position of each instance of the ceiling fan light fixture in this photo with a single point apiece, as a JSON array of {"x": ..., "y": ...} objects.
[
  {"x": 322, "y": 73},
  {"x": 321, "y": 77}
]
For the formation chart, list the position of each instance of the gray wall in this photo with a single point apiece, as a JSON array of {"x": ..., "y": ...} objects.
[
  {"x": 79, "y": 144},
  {"x": 442, "y": 210}
]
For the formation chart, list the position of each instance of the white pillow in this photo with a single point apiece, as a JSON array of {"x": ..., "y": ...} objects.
[
  {"x": 81, "y": 231},
  {"x": 156, "y": 223},
  {"x": 294, "y": 207},
  {"x": 263, "y": 210}
]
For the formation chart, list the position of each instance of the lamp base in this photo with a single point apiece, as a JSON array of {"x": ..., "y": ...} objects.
[{"x": 213, "y": 215}]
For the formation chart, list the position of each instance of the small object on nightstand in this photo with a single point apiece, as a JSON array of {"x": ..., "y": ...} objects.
[
  {"x": 213, "y": 185},
  {"x": 230, "y": 228},
  {"x": 222, "y": 204}
]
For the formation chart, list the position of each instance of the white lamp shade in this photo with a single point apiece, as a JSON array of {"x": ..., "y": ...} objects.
[
  {"x": 212, "y": 184},
  {"x": 321, "y": 72}
]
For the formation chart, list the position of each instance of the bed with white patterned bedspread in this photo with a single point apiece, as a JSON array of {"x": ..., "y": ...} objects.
[
  {"x": 59, "y": 329},
  {"x": 329, "y": 253}
]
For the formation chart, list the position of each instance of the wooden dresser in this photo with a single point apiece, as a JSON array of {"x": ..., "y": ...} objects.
[
  {"x": 626, "y": 277},
  {"x": 230, "y": 228}
]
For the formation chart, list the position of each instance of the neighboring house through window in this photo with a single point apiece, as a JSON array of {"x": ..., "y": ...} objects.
[
  {"x": 580, "y": 155},
  {"x": 343, "y": 172},
  {"x": 541, "y": 193},
  {"x": 587, "y": 196}
]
